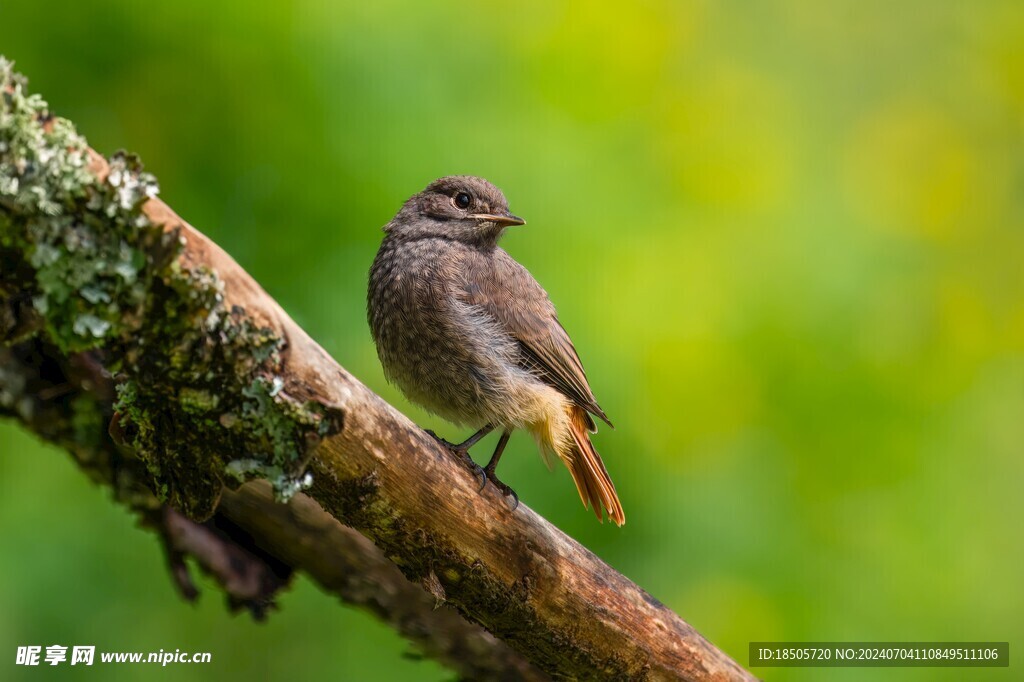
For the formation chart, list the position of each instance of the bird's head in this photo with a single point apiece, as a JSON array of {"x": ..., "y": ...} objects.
[{"x": 461, "y": 207}]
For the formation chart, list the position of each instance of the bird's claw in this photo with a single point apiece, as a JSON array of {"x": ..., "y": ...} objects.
[
  {"x": 475, "y": 468},
  {"x": 484, "y": 473},
  {"x": 463, "y": 454},
  {"x": 477, "y": 471},
  {"x": 504, "y": 489}
]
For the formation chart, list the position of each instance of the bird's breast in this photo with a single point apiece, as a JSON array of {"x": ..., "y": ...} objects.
[{"x": 442, "y": 353}]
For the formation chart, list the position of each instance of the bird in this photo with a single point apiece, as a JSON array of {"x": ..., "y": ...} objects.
[{"x": 465, "y": 331}]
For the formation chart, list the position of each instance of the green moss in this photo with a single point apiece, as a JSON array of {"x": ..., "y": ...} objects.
[
  {"x": 200, "y": 398},
  {"x": 87, "y": 241},
  {"x": 197, "y": 400}
]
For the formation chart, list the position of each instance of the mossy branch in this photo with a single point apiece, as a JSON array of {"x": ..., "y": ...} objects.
[{"x": 138, "y": 344}]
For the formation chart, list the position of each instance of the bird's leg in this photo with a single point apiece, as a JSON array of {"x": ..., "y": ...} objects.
[
  {"x": 462, "y": 450},
  {"x": 493, "y": 463},
  {"x": 464, "y": 445}
]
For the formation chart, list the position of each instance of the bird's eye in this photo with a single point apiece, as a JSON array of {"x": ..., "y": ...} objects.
[{"x": 462, "y": 200}]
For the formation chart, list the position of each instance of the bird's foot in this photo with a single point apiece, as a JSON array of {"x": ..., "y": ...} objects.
[
  {"x": 461, "y": 451},
  {"x": 505, "y": 490},
  {"x": 477, "y": 470}
]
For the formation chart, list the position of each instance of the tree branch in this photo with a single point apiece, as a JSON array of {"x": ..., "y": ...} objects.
[
  {"x": 252, "y": 544},
  {"x": 99, "y": 273}
]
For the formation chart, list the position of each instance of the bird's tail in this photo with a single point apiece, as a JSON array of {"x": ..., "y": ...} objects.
[{"x": 592, "y": 481}]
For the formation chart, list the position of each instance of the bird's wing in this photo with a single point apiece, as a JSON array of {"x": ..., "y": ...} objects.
[{"x": 509, "y": 294}]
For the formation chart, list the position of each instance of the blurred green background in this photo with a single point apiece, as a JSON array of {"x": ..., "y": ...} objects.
[{"x": 787, "y": 239}]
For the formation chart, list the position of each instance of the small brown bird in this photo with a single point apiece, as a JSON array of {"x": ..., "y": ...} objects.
[{"x": 467, "y": 332}]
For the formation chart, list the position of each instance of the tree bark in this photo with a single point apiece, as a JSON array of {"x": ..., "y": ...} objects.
[{"x": 205, "y": 365}]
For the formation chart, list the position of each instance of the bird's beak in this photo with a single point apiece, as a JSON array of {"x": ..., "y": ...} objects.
[{"x": 499, "y": 219}]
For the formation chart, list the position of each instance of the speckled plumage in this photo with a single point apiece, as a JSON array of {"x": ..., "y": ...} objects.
[{"x": 465, "y": 331}]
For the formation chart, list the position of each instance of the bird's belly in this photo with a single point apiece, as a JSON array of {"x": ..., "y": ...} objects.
[
  {"x": 443, "y": 385},
  {"x": 466, "y": 379}
]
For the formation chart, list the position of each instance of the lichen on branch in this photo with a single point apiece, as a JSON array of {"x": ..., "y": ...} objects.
[{"x": 199, "y": 397}]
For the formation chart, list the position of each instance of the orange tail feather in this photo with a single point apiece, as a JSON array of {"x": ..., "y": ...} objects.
[{"x": 592, "y": 481}]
